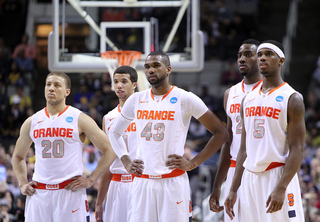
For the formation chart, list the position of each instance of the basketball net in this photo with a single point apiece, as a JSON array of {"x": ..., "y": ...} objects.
[{"x": 125, "y": 58}]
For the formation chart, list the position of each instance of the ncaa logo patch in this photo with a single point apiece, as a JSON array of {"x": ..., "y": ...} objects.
[
  {"x": 279, "y": 98},
  {"x": 69, "y": 119},
  {"x": 173, "y": 100}
]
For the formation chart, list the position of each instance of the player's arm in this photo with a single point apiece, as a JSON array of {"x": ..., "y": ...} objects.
[
  {"x": 295, "y": 136},
  {"x": 119, "y": 146},
  {"x": 195, "y": 106},
  {"x": 18, "y": 159},
  {"x": 100, "y": 140},
  {"x": 224, "y": 164},
  {"x": 103, "y": 186},
  {"x": 236, "y": 181}
]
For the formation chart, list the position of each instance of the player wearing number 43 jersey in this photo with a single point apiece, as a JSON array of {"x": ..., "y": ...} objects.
[
  {"x": 160, "y": 190},
  {"x": 57, "y": 190},
  {"x": 271, "y": 148}
]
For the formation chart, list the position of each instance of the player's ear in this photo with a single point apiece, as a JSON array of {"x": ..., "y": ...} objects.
[
  {"x": 134, "y": 85},
  {"x": 281, "y": 61},
  {"x": 68, "y": 91}
]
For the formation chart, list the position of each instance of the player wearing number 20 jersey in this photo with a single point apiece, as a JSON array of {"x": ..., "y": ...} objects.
[{"x": 58, "y": 147}]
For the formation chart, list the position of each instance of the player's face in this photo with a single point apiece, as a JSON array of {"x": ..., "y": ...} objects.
[
  {"x": 123, "y": 86},
  {"x": 156, "y": 71},
  {"x": 247, "y": 60},
  {"x": 269, "y": 62},
  {"x": 55, "y": 90}
]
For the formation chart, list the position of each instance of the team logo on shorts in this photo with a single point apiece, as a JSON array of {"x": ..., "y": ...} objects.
[
  {"x": 69, "y": 119},
  {"x": 173, "y": 100},
  {"x": 279, "y": 98}
]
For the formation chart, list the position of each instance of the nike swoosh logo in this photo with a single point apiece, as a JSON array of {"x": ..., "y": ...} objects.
[
  {"x": 75, "y": 210},
  {"x": 144, "y": 101},
  {"x": 234, "y": 97},
  {"x": 40, "y": 121},
  {"x": 251, "y": 100},
  {"x": 179, "y": 202},
  {"x": 111, "y": 119}
]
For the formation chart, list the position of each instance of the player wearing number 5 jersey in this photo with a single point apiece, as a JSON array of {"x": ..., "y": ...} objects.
[
  {"x": 271, "y": 151},
  {"x": 116, "y": 182},
  {"x": 160, "y": 191},
  {"x": 57, "y": 190}
]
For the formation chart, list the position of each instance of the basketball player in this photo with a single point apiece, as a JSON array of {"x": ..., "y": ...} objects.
[
  {"x": 57, "y": 191},
  {"x": 271, "y": 146},
  {"x": 160, "y": 190},
  {"x": 248, "y": 66},
  {"x": 117, "y": 207}
]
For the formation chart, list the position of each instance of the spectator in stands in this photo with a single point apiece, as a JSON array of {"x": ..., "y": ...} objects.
[
  {"x": 231, "y": 76},
  {"x": 15, "y": 75},
  {"x": 93, "y": 84},
  {"x": 29, "y": 48},
  {"x": 312, "y": 105},
  {"x": 82, "y": 98},
  {"x": 92, "y": 162},
  {"x": 25, "y": 101},
  {"x": 21, "y": 202},
  {"x": 25, "y": 64}
]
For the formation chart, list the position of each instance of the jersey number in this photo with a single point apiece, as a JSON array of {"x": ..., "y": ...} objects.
[
  {"x": 57, "y": 148},
  {"x": 146, "y": 132},
  {"x": 258, "y": 128},
  {"x": 239, "y": 125}
]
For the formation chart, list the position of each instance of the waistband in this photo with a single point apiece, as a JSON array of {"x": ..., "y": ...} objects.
[
  {"x": 56, "y": 186},
  {"x": 174, "y": 173},
  {"x": 233, "y": 163},
  {"x": 274, "y": 165},
  {"x": 270, "y": 167},
  {"x": 125, "y": 178}
]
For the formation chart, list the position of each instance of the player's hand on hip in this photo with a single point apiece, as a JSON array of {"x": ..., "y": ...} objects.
[
  {"x": 229, "y": 204},
  {"x": 78, "y": 182},
  {"x": 99, "y": 213},
  {"x": 175, "y": 161},
  {"x": 214, "y": 200},
  {"x": 275, "y": 200},
  {"x": 136, "y": 167},
  {"x": 28, "y": 188}
]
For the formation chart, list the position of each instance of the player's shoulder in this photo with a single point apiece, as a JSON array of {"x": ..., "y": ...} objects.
[{"x": 111, "y": 114}]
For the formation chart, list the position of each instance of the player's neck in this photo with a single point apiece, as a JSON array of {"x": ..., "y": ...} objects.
[
  {"x": 55, "y": 109},
  {"x": 161, "y": 90},
  {"x": 271, "y": 83},
  {"x": 252, "y": 79}
]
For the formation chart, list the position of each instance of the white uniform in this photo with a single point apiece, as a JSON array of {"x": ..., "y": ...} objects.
[
  {"x": 236, "y": 94},
  {"x": 58, "y": 151},
  {"x": 265, "y": 120},
  {"x": 118, "y": 205},
  {"x": 162, "y": 123}
]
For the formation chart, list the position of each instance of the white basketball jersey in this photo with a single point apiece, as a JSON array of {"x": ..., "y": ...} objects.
[
  {"x": 265, "y": 120},
  {"x": 162, "y": 124},
  {"x": 58, "y": 147},
  {"x": 129, "y": 137},
  {"x": 236, "y": 94}
]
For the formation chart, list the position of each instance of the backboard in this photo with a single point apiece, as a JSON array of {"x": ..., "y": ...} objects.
[{"x": 179, "y": 36}]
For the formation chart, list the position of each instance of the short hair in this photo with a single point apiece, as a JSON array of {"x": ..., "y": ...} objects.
[
  {"x": 127, "y": 70},
  {"x": 278, "y": 44},
  {"x": 164, "y": 56},
  {"x": 63, "y": 75},
  {"x": 251, "y": 42}
]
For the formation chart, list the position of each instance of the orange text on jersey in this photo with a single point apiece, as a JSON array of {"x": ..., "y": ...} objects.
[
  {"x": 235, "y": 108},
  {"x": 263, "y": 111},
  {"x": 52, "y": 132},
  {"x": 131, "y": 128},
  {"x": 155, "y": 115}
]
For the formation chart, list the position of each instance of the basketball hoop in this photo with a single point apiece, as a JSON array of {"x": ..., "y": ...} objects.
[{"x": 125, "y": 58}]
